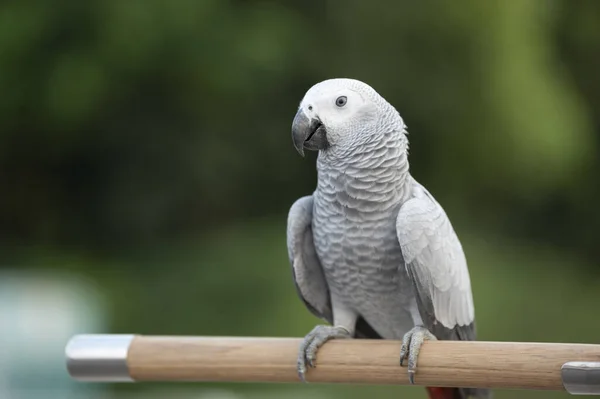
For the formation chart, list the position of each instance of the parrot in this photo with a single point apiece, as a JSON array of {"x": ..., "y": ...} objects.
[{"x": 372, "y": 253}]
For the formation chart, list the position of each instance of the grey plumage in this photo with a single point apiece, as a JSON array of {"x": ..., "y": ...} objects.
[
  {"x": 436, "y": 264},
  {"x": 371, "y": 250},
  {"x": 306, "y": 268}
]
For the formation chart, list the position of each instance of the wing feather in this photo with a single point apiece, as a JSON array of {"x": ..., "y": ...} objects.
[
  {"x": 437, "y": 266},
  {"x": 306, "y": 268}
]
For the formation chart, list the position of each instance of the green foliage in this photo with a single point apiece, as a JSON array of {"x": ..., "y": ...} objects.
[{"x": 126, "y": 123}]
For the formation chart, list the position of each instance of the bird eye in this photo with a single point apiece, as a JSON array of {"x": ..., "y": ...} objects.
[{"x": 341, "y": 101}]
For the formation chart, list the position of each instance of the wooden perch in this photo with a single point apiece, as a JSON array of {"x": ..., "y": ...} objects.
[{"x": 507, "y": 365}]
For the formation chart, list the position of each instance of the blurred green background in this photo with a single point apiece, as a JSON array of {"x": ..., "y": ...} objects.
[{"x": 146, "y": 168}]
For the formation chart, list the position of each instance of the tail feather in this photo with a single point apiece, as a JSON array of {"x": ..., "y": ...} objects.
[
  {"x": 457, "y": 393},
  {"x": 443, "y": 393}
]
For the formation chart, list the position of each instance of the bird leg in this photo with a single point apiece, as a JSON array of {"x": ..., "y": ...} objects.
[
  {"x": 411, "y": 345},
  {"x": 312, "y": 342}
]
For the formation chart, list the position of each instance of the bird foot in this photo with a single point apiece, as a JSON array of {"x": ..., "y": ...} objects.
[
  {"x": 411, "y": 345},
  {"x": 311, "y": 344}
]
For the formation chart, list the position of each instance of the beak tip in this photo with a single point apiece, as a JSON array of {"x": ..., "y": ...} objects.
[{"x": 300, "y": 131}]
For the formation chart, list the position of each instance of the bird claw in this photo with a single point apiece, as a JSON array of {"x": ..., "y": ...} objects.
[
  {"x": 411, "y": 346},
  {"x": 411, "y": 377},
  {"x": 307, "y": 354},
  {"x": 301, "y": 371}
]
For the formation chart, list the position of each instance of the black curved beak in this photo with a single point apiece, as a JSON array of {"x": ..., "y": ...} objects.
[{"x": 308, "y": 133}]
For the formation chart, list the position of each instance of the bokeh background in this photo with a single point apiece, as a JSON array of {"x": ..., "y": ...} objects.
[{"x": 146, "y": 168}]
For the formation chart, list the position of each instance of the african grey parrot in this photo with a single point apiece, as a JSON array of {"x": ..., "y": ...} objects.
[{"x": 371, "y": 250}]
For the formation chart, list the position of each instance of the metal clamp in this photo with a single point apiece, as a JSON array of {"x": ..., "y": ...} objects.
[
  {"x": 581, "y": 378},
  {"x": 99, "y": 358}
]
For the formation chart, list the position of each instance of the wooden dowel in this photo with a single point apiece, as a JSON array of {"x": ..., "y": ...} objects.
[{"x": 507, "y": 365}]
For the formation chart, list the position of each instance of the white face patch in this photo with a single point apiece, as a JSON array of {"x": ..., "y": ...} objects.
[{"x": 340, "y": 107}]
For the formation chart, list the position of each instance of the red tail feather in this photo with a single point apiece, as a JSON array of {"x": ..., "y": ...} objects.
[{"x": 443, "y": 393}]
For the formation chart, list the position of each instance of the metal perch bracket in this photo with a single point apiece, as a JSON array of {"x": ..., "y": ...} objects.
[
  {"x": 581, "y": 378},
  {"x": 99, "y": 358}
]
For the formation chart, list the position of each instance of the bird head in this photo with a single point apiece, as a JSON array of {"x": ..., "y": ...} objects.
[{"x": 337, "y": 113}]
